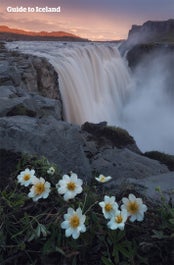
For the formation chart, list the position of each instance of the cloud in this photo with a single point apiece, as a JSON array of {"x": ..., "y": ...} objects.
[{"x": 111, "y": 18}]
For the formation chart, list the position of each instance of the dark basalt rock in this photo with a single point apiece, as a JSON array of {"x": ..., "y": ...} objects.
[
  {"x": 21, "y": 110},
  {"x": 114, "y": 135},
  {"x": 163, "y": 158},
  {"x": 9, "y": 161},
  {"x": 152, "y": 33},
  {"x": 152, "y": 30},
  {"x": 140, "y": 52}
]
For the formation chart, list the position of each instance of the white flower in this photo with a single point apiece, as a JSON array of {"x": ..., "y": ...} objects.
[
  {"x": 40, "y": 189},
  {"x": 74, "y": 223},
  {"x": 26, "y": 177},
  {"x": 51, "y": 171},
  {"x": 70, "y": 186},
  {"x": 109, "y": 206},
  {"x": 103, "y": 179},
  {"x": 118, "y": 220},
  {"x": 134, "y": 207}
]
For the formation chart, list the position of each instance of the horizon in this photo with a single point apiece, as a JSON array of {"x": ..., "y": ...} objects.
[{"x": 96, "y": 20}]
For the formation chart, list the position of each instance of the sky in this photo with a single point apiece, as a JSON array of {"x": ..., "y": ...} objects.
[{"x": 92, "y": 19}]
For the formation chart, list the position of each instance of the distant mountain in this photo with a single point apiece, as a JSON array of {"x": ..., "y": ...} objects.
[{"x": 11, "y": 34}]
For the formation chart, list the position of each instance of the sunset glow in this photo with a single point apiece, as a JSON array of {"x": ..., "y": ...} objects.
[{"x": 95, "y": 20}]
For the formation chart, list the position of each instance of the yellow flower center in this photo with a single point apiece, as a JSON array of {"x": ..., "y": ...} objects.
[
  {"x": 102, "y": 179},
  {"x": 26, "y": 177},
  {"x": 39, "y": 188},
  {"x": 71, "y": 186},
  {"x": 74, "y": 221},
  {"x": 132, "y": 207},
  {"x": 108, "y": 207},
  {"x": 118, "y": 219}
]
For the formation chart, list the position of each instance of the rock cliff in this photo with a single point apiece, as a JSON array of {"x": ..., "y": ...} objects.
[
  {"x": 152, "y": 31},
  {"x": 151, "y": 38},
  {"x": 154, "y": 34},
  {"x": 31, "y": 122}
]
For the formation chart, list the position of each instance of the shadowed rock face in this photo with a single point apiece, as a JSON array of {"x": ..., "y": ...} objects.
[
  {"x": 151, "y": 31},
  {"x": 160, "y": 33},
  {"x": 141, "y": 52},
  {"x": 31, "y": 122},
  {"x": 28, "y": 74}
]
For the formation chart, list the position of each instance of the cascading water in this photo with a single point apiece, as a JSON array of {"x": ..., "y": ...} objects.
[
  {"x": 96, "y": 85},
  {"x": 94, "y": 79}
]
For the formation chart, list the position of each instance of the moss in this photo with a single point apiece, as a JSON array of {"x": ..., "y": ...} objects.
[
  {"x": 120, "y": 136},
  {"x": 115, "y": 135},
  {"x": 21, "y": 110},
  {"x": 166, "y": 159}
]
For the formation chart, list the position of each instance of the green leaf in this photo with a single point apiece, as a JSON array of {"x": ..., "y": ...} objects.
[
  {"x": 33, "y": 235},
  {"x": 74, "y": 262},
  {"x": 59, "y": 250},
  {"x": 171, "y": 221},
  {"x": 38, "y": 230},
  {"x": 116, "y": 236},
  {"x": 158, "y": 234},
  {"x": 43, "y": 230},
  {"x": 106, "y": 261},
  {"x": 115, "y": 254},
  {"x": 124, "y": 251}
]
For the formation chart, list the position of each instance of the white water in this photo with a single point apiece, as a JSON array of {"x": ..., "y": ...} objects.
[
  {"x": 96, "y": 85},
  {"x": 94, "y": 80}
]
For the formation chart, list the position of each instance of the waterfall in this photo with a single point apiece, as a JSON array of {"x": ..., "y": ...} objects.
[
  {"x": 96, "y": 86},
  {"x": 94, "y": 83},
  {"x": 93, "y": 78}
]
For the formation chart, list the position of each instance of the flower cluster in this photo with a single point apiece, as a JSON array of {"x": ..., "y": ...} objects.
[
  {"x": 40, "y": 188},
  {"x": 132, "y": 209},
  {"x": 70, "y": 186}
]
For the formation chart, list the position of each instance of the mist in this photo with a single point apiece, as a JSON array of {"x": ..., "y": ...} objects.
[{"x": 149, "y": 113}]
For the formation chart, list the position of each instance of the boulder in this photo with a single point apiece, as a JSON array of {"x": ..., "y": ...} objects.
[
  {"x": 59, "y": 141},
  {"x": 154, "y": 188},
  {"x": 31, "y": 104},
  {"x": 119, "y": 162}
]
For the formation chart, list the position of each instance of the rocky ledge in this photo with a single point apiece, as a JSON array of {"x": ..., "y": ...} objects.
[
  {"x": 31, "y": 122},
  {"x": 147, "y": 39}
]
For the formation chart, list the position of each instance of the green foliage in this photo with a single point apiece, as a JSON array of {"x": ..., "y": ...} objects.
[{"x": 30, "y": 232}]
